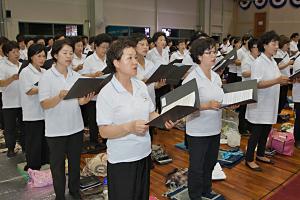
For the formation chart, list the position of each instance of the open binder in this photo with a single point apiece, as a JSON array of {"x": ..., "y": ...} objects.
[
  {"x": 295, "y": 57},
  {"x": 85, "y": 86},
  {"x": 296, "y": 74},
  {"x": 240, "y": 93},
  {"x": 224, "y": 62},
  {"x": 176, "y": 61},
  {"x": 178, "y": 103},
  {"x": 171, "y": 72}
]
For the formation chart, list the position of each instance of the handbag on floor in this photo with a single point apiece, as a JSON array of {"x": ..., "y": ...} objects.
[
  {"x": 282, "y": 142},
  {"x": 39, "y": 178}
]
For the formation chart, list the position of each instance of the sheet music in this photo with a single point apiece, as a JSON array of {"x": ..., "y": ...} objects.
[
  {"x": 188, "y": 100},
  {"x": 236, "y": 97}
]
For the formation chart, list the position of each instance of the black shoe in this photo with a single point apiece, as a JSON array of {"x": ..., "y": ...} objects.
[
  {"x": 75, "y": 195},
  {"x": 264, "y": 161},
  {"x": 212, "y": 196},
  {"x": 11, "y": 154},
  {"x": 257, "y": 169}
]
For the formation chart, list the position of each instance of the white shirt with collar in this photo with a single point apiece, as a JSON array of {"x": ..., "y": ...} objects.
[
  {"x": 93, "y": 64},
  {"x": 10, "y": 93},
  {"x": 158, "y": 59},
  {"x": 115, "y": 105},
  {"x": 205, "y": 122},
  {"x": 145, "y": 73},
  {"x": 31, "y": 108},
  {"x": 178, "y": 55},
  {"x": 78, "y": 61},
  {"x": 65, "y": 118},
  {"x": 296, "y": 86},
  {"x": 266, "y": 109},
  {"x": 286, "y": 59},
  {"x": 293, "y": 46},
  {"x": 246, "y": 65},
  {"x": 241, "y": 54},
  {"x": 1, "y": 60},
  {"x": 23, "y": 54}
]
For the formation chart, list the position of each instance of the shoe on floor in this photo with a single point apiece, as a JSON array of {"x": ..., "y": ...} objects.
[
  {"x": 75, "y": 195},
  {"x": 212, "y": 196},
  {"x": 11, "y": 153}
]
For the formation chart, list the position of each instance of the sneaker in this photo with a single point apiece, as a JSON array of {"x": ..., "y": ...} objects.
[{"x": 212, "y": 196}]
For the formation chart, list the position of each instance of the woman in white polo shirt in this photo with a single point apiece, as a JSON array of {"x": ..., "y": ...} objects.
[
  {"x": 93, "y": 67},
  {"x": 9, "y": 80},
  {"x": 285, "y": 67},
  {"x": 63, "y": 120},
  {"x": 203, "y": 128},
  {"x": 263, "y": 114},
  {"x": 78, "y": 57},
  {"x": 296, "y": 99},
  {"x": 123, "y": 109},
  {"x": 33, "y": 114}
]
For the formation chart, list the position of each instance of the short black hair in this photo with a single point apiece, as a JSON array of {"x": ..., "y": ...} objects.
[
  {"x": 28, "y": 39},
  {"x": 156, "y": 35},
  {"x": 76, "y": 39},
  {"x": 245, "y": 38},
  {"x": 294, "y": 35},
  {"x": 3, "y": 40},
  {"x": 115, "y": 52},
  {"x": 20, "y": 38},
  {"x": 35, "y": 49},
  {"x": 225, "y": 39},
  {"x": 101, "y": 38},
  {"x": 181, "y": 41},
  {"x": 91, "y": 39},
  {"x": 252, "y": 43},
  {"x": 137, "y": 37},
  {"x": 199, "y": 46},
  {"x": 48, "y": 39},
  {"x": 283, "y": 40},
  {"x": 40, "y": 37},
  {"x": 266, "y": 38},
  {"x": 58, "y": 45},
  {"x": 9, "y": 46},
  {"x": 59, "y": 35}
]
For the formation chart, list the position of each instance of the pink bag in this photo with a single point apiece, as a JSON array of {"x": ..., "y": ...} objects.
[
  {"x": 39, "y": 178},
  {"x": 282, "y": 142}
]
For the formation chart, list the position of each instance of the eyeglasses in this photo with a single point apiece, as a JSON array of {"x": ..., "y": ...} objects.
[{"x": 210, "y": 52}]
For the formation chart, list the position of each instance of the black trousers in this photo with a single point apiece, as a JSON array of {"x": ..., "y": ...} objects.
[
  {"x": 232, "y": 77},
  {"x": 203, "y": 157},
  {"x": 12, "y": 119},
  {"x": 258, "y": 137},
  {"x": 60, "y": 148},
  {"x": 92, "y": 123},
  {"x": 297, "y": 122},
  {"x": 282, "y": 97},
  {"x": 244, "y": 125},
  {"x": 238, "y": 79},
  {"x": 129, "y": 180},
  {"x": 37, "y": 151},
  {"x": 84, "y": 114},
  {"x": 1, "y": 113}
]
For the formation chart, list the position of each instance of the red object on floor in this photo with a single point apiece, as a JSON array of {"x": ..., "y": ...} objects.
[{"x": 289, "y": 191}]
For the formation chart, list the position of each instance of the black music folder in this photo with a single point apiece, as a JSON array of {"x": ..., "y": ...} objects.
[
  {"x": 85, "y": 86},
  {"x": 240, "y": 93},
  {"x": 224, "y": 62},
  {"x": 172, "y": 73},
  {"x": 295, "y": 57},
  {"x": 278, "y": 60},
  {"x": 296, "y": 74},
  {"x": 178, "y": 103},
  {"x": 176, "y": 61}
]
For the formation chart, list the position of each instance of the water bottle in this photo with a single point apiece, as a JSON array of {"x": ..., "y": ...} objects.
[{"x": 105, "y": 189}]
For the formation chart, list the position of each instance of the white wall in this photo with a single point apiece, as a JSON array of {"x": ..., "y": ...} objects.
[
  {"x": 53, "y": 11},
  {"x": 284, "y": 20}
]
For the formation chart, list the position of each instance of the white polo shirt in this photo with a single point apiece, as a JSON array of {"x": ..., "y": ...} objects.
[
  {"x": 206, "y": 122},
  {"x": 246, "y": 65},
  {"x": 1, "y": 60},
  {"x": 65, "y": 118},
  {"x": 266, "y": 109},
  {"x": 31, "y": 108},
  {"x": 286, "y": 59},
  {"x": 93, "y": 64},
  {"x": 10, "y": 93},
  {"x": 296, "y": 86},
  {"x": 145, "y": 73},
  {"x": 241, "y": 54},
  {"x": 115, "y": 105},
  {"x": 158, "y": 59},
  {"x": 293, "y": 46},
  {"x": 23, "y": 54},
  {"x": 78, "y": 61},
  {"x": 178, "y": 55}
]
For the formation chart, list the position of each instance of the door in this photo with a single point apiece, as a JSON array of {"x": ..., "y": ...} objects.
[{"x": 260, "y": 24}]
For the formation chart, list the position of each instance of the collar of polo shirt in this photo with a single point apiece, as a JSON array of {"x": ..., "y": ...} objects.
[
  {"x": 57, "y": 73},
  {"x": 119, "y": 87}
]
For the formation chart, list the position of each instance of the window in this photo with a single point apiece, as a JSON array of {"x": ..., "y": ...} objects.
[{"x": 124, "y": 31}]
